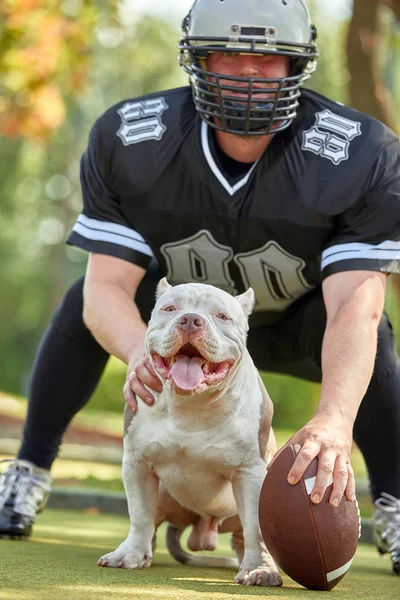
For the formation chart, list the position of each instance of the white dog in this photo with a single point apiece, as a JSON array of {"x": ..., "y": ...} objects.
[{"x": 198, "y": 456}]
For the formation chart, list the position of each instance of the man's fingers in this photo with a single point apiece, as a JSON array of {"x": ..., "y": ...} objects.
[
  {"x": 138, "y": 389},
  {"x": 148, "y": 377},
  {"x": 307, "y": 453},
  {"x": 147, "y": 363},
  {"x": 138, "y": 381},
  {"x": 340, "y": 478},
  {"x": 326, "y": 466},
  {"x": 130, "y": 397},
  {"x": 351, "y": 484}
]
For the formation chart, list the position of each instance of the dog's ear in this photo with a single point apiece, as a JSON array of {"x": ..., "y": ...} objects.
[
  {"x": 247, "y": 301},
  {"x": 162, "y": 287}
]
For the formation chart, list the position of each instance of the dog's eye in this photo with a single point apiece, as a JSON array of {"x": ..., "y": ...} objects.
[
  {"x": 169, "y": 308},
  {"x": 222, "y": 316}
]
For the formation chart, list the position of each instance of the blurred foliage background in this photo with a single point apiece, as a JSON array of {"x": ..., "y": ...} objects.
[{"x": 62, "y": 63}]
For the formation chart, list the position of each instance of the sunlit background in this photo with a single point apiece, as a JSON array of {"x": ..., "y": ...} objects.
[{"x": 61, "y": 65}]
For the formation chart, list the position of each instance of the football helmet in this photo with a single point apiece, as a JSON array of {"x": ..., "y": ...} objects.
[{"x": 276, "y": 27}]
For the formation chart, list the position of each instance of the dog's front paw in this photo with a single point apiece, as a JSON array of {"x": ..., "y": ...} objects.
[
  {"x": 262, "y": 576},
  {"x": 123, "y": 559}
]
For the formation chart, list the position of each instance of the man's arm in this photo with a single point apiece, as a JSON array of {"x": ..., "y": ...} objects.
[
  {"x": 354, "y": 303},
  {"x": 114, "y": 319},
  {"x": 109, "y": 310}
]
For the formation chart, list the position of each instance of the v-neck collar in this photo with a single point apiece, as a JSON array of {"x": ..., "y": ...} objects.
[{"x": 205, "y": 143}]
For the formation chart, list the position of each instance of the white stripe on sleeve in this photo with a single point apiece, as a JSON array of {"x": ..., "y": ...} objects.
[
  {"x": 388, "y": 250},
  {"x": 103, "y": 231}
]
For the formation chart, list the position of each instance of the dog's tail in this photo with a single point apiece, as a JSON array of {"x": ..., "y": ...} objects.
[{"x": 173, "y": 544}]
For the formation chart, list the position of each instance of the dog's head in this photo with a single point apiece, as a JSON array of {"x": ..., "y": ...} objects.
[{"x": 196, "y": 335}]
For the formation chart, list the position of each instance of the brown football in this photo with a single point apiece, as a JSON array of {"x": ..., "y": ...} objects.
[{"x": 312, "y": 543}]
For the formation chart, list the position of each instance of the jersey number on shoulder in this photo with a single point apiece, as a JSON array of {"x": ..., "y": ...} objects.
[
  {"x": 330, "y": 137},
  {"x": 275, "y": 275},
  {"x": 141, "y": 121}
]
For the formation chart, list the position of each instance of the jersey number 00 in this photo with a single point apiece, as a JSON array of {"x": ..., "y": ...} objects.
[{"x": 275, "y": 275}]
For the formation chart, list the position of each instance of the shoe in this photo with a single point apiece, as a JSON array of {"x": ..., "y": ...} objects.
[
  {"x": 386, "y": 528},
  {"x": 24, "y": 490}
]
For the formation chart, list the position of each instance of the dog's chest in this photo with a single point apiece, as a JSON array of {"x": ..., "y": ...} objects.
[
  {"x": 207, "y": 450},
  {"x": 167, "y": 447},
  {"x": 195, "y": 467}
]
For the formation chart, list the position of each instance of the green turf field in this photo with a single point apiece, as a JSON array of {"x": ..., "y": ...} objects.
[{"x": 59, "y": 563}]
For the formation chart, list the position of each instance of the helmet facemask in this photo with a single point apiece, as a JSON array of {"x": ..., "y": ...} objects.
[{"x": 264, "y": 106}]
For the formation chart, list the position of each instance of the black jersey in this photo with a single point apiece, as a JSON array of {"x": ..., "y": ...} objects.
[{"x": 323, "y": 198}]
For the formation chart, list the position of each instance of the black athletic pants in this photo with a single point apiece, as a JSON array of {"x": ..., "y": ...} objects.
[{"x": 70, "y": 362}]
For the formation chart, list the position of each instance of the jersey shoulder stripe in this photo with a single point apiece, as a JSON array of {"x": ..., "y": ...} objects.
[{"x": 94, "y": 229}]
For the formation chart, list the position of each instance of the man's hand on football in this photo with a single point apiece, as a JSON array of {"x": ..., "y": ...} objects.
[
  {"x": 331, "y": 442},
  {"x": 140, "y": 373}
]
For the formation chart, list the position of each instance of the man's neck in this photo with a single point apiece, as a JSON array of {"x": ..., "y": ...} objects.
[{"x": 241, "y": 148}]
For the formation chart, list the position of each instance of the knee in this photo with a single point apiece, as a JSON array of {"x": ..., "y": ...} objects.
[
  {"x": 68, "y": 317},
  {"x": 387, "y": 359}
]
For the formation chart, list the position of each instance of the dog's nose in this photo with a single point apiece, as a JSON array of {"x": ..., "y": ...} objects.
[{"x": 190, "y": 322}]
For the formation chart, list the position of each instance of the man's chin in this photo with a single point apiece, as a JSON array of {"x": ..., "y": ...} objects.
[
  {"x": 237, "y": 136},
  {"x": 253, "y": 136}
]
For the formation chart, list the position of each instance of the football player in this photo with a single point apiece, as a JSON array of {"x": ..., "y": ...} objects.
[{"x": 240, "y": 179}]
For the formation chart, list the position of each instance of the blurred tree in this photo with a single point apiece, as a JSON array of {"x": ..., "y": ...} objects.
[
  {"x": 367, "y": 56},
  {"x": 331, "y": 77},
  {"x": 89, "y": 59},
  {"x": 44, "y": 56},
  {"x": 373, "y": 47}
]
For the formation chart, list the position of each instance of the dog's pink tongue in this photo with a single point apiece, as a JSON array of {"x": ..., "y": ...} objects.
[{"x": 187, "y": 372}]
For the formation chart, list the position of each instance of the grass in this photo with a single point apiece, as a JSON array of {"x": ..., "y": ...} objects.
[{"x": 59, "y": 562}]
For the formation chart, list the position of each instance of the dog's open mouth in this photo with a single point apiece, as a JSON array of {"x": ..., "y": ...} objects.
[{"x": 188, "y": 369}]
